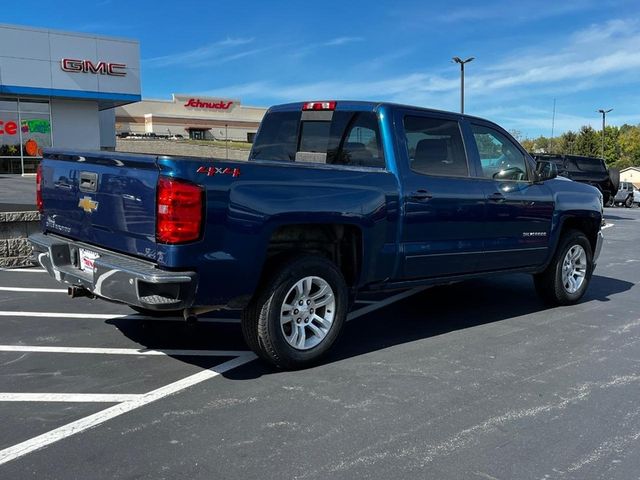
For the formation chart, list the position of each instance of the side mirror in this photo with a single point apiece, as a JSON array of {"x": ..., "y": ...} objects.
[{"x": 546, "y": 170}]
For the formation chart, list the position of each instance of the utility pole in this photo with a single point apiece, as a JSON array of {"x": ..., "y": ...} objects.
[
  {"x": 553, "y": 124},
  {"x": 604, "y": 115},
  {"x": 226, "y": 140},
  {"x": 462, "y": 62}
]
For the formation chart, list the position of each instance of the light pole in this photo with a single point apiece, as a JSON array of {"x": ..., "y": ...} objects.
[
  {"x": 604, "y": 114},
  {"x": 462, "y": 62}
]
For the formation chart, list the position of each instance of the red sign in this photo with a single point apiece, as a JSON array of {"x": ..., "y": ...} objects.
[
  {"x": 8, "y": 128},
  {"x": 87, "y": 66},
  {"x": 197, "y": 103}
]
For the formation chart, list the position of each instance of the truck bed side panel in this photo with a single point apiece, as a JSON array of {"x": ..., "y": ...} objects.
[{"x": 243, "y": 212}]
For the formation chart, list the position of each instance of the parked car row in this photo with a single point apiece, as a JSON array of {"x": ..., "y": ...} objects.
[{"x": 146, "y": 136}]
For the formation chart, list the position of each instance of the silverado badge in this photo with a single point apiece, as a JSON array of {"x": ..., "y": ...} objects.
[{"x": 88, "y": 204}]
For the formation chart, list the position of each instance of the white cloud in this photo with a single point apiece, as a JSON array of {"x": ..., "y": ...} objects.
[
  {"x": 342, "y": 41},
  {"x": 203, "y": 53},
  {"x": 334, "y": 42}
]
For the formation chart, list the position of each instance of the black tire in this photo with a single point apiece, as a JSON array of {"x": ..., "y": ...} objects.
[
  {"x": 549, "y": 283},
  {"x": 614, "y": 176},
  {"x": 261, "y": 318},
  {"x": 608, "y": 202},
  {"x": 629, "y": 202}
]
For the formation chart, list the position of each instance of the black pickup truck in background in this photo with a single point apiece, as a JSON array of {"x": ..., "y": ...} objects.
[{"x": 590, "y": 170}]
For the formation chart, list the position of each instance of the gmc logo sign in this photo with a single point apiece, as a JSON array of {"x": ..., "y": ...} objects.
[{"x": 87, "y": 66}]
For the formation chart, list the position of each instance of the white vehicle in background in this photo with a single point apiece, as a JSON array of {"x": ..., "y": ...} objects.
[
  {"x": 625, "y": 195},
  {"x": 636, "y": 197}
]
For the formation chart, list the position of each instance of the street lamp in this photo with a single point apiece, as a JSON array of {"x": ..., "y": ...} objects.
[
  {"x": 604, "y": 114},
  {"x": 462, "y": 62}
]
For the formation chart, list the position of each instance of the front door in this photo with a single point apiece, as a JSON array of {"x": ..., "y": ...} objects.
[
  {"x": 443, "y": 203},
  {"x": 519, "y": 212}
]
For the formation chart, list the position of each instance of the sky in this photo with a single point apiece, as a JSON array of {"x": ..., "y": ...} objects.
[{"x": 584, "y": 54}]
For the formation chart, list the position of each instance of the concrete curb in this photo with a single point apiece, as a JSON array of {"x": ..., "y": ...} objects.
[{"x": 15, "y": 227}]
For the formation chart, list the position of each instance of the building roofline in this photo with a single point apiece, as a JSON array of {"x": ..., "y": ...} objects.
[{"x": 68, "y": 33}]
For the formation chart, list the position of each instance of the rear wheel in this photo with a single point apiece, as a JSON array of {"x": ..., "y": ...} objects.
[
  {"x": 299, "y": 313},
  {"x": 628, "y": 202},
  {"x": 567, "y": 277}
]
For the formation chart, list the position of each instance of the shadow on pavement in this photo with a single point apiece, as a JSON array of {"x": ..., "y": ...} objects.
[
  {"x": 615, "y": 217},
  {"x": 435, "y": 311}
]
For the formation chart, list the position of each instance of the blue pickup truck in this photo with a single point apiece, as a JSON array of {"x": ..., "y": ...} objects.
[{"x": 336, "y": 198}]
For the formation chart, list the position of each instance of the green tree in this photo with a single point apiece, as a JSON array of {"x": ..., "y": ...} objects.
[
  {"x": 566, "y": 143},
  {"x": 621, "y": 146},
  {"x": 629, "y": 145},
  {"x": 587, "y": 142}
]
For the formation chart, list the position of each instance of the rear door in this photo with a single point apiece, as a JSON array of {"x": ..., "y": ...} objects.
[
  {"x": 443, "y": 203},
  {"x": 104, "y": 199},
  {"x": 519, "y": 211}
]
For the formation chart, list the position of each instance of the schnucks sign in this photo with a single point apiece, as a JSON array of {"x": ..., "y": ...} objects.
[{"x": 206, "y": 103}]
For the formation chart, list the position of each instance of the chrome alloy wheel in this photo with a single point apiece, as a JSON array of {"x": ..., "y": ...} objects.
[
  {"x": 307, "y": 313},
  {"x": 574, "y": 269}
]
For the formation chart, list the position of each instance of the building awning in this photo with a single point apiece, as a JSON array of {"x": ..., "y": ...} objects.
[
  {"x": 198, "y": 128},
  {"x": 105, "y": 99}
]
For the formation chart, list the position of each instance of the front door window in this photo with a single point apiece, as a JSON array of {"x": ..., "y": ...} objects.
[{"x": 499, "y": 157}]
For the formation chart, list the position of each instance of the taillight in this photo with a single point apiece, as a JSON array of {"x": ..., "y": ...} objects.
[
  {"x": 39, "y": 203},
  {"x": 179, "y": 211},
  {"x": 319, "y": 105}
]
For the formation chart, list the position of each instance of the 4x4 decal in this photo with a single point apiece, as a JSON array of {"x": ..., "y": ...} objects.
[{"x": 211, "y": 171}]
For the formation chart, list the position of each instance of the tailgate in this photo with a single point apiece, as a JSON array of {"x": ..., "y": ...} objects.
[{"x": 102, "y": 198}]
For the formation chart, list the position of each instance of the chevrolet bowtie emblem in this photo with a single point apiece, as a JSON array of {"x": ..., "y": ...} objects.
[{"x": 87, "y": 204}]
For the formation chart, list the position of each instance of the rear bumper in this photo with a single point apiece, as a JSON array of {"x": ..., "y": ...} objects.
[{"x": 115, "y": 277}]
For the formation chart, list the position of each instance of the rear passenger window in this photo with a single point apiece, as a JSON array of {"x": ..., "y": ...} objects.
[
  {"x": 361, "y": 142},
  {"x": 435, "y": 146}
]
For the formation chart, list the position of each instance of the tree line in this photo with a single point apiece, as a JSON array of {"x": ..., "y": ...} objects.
[{"x": 621, "y": 144}]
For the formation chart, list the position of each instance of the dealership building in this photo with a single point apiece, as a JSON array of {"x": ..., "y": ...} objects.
[
  {"x": 61, "y": 89},
  {"x": 191, "y": 116}
]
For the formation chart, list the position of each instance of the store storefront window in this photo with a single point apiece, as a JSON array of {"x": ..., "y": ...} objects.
[{"x": 25, "y": 129}]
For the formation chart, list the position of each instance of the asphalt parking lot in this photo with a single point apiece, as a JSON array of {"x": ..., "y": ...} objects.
[{"x": 473, "y": 380}]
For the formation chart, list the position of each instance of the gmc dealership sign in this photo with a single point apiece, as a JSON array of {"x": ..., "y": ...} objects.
[{"x": 98, "y": 68}]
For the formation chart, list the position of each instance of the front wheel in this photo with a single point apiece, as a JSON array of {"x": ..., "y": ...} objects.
[
  {"x": 566, "y": 278},
  {"x": 628, "y": 202},
  {"x": 298, "y": 314}
]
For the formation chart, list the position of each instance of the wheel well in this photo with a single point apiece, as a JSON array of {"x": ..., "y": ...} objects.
[
  {"x": 340, "y": 243},
  {"x": 588, "y": 226}
]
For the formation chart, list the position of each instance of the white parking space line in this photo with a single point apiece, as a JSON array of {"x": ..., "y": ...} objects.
[
  {"x": 36, "y": 443},
  {"x": 69, "y": 397},
  {"x": 608, "y": 225},
  {"x": 108, "y": 316},
  {"x": 383, "y": 303},
  {"x": 23, "y": 270},
  {"x": 101, "y": 316},
  {"x": 123, "y": 351},
  {"x": 373, "y": 306},
  {"x": 38, "y": 290}
]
